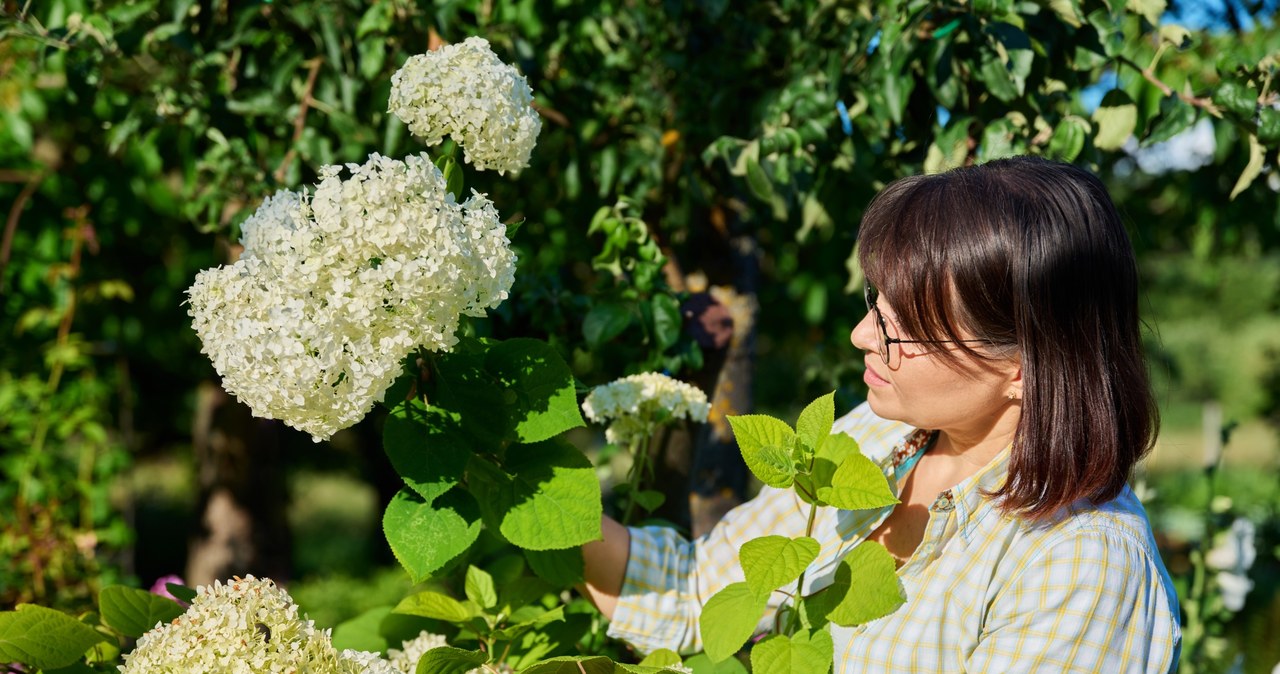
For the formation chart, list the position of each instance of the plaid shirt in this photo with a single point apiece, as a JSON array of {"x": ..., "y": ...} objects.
[{"x": 985, "y": 592}]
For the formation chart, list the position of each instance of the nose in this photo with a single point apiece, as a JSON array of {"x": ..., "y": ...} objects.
[{"x": 865, "y": 334}]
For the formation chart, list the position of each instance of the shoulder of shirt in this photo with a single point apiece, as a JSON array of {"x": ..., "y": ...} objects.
[
  {"x": 1123, "y": 517},
  {"x": 876, "y": 436}
]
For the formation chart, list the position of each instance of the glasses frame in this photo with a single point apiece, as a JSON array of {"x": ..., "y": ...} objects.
[{"x": 870, "y": 295}]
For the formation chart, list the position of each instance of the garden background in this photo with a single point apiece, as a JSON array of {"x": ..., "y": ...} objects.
[{"x": 691, "y": 207}]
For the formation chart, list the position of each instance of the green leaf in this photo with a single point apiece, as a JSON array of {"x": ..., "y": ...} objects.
[
  {"x": 1268, "y": 125},
  {"x": 428, "y": 604},
  {"x": 453, "y": 178},
  {"x": 553, "y": 500},
  {"x": 1149, "y": 9},
  {"x": 550, "y": 639},
  {"x": 701, "y": 664},
  {"x": 545, "y": 402},
  {"x": 866, "y": 587},
  {"x": 1068, "y": 11},
  {"x": 465, "y": 387},
  {"x": 993, "y": 72},
  {"x": 858, "y": 484},
  {"x": 758, "y": 180},
  {"x": 424, "y": 536},
  {"x": 527, "y": 618},
  {"x": 450, "y": 660},
  {"x": 649, "y": 499},
  {"x": 561, "y": 568},
  {"x": 769, "y": 562},
  {"x": 606, "y": 321},
  {"x": 661, "y": 658},
  {"x": 133, "y": 612},
  {"x": 181, "y": 592},
  {"x": 1176, "y": 117},
  {"x": 667, "y": 321},
  {"x": 834, "y": 452},
  {"x": 729, "y": 619},
  {"x": 43, "y": 638},
  {"x": 572, "y": 664},
  {"x": 814, "y": 424},
  {"x": 427, "y": 447},
  {"x": 1115, "y": 118},
  {"x": 997, "y": 140},
  {"x": 1068, "y": 138},
  {"x": 363, "y": 632},
  {"x": 802, "y": 652},
  {"x": 1251, "y": 170},
  {"x": 1237, "y": 98},
  {"x": 479, "y": 588},
  {"x": 765, "y": 443}
]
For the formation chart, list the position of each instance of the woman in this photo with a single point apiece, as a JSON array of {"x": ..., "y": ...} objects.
[{"x": 1008, "y": 402}]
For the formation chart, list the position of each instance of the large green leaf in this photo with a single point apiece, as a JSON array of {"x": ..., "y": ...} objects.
[
  {"x": 802, "y": 652},
  {"x": 766, "y": 444},
  {"x": 548, "y": 640},
  {"x": 865, "y": 587},
  {"x": 837, "y": 448},
  {"x": 769, "y": 562},
  {"x": 479, "y": 588},
  {"x": 450, "y": 660},
  {"x": 1115, "y": 119},
  {"x": 729, "y": 618},
  {"x": 44, "y": 638},
  {"x": 814, "y": 425},
  {"x": 133, "y": 612},
  {"x": 427, "y": 447},
  {"x": 605, "y": 321},
  {"x": 552, "y": 500},
  {"x": 667, "y": 321},
  {"x": 702, "y": 664},
  {"x": 363, "y": 632},
  {"x": 545, "y": 402},
  {"x": 661, "y": 658},
  {"x": 428, "y": 604},
  {"x": 1068, "y": 138},
  {"x": 561, "y": 568},
  {"x": 424, "y": 536},
  {"x": 573, "y": 664},
  {"x": 465, "y": 387},
  {"x": 858, "y": 484}
]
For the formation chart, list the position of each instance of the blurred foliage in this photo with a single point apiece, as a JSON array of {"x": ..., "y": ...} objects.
[{"x": 731, "y": 142}]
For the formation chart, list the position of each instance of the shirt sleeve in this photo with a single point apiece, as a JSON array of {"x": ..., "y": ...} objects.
[
  {"x": 1091, "y": 602},
  {"x": 669, "y": 579}
]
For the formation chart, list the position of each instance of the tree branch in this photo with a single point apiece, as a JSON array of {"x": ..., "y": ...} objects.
[
  {"x": 1149, "y": 75},
  {"x": 300, "y": 122},
  {"x": 15, "y": 212}
]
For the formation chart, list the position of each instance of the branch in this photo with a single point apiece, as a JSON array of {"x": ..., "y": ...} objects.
[
  {"x": 300, "y": 122},
  {"x": 1149, "y": 75},
  {"x": 11, "y": 225}
]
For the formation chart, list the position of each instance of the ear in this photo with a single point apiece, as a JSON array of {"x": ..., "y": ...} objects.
[{"x": 1014, "y": 390}]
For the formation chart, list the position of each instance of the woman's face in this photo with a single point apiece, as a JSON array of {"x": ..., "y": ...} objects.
[{"x": 924, "y": 390}]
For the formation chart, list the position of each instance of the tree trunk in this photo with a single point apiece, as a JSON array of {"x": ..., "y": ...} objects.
[{"x": 242, "y": 526}]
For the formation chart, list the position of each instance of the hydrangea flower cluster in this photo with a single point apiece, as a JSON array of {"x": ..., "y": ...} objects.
[
  {"x": 405, "y": 659},
  {"x": 632, "y": 405},
  {"x": 333, "y": 289},
  {"x": 466, "y": 92},
  {"x": 246, "y": 626}
]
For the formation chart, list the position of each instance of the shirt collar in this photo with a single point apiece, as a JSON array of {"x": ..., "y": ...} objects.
[{"x": 968, "y": 499}]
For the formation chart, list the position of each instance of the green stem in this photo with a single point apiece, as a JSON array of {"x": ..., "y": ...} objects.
[
  {"x": 638, "y": 460},
  {"x": 808, "y": 531}
]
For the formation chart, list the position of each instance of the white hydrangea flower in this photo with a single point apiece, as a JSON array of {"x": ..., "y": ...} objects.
[
  {"x": 466, "y": 92},
  {"x": 405, "y": 659},
  {"x": 632, "y": 405},
  {"x": 246, "y": 626},
  {"x": 1234, "y": 588},
  {"x": 309, "y": 326},
  {"x": 364, "y": 662}
]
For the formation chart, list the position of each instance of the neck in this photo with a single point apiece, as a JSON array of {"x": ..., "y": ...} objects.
[{"x": 974, "y": 445}]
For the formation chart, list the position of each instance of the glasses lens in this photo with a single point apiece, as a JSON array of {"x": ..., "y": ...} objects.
[{"x": 870, "y": 294}]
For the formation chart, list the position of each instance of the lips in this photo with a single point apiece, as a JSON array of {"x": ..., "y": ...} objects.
[{"x": 872, "y": 378}]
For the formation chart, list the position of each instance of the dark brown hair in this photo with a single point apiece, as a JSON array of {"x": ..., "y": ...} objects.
[{"x": 1027, "y": 253}]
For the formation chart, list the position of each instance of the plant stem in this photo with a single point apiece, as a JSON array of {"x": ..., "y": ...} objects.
[
  {"x": 808, "y": 531},
  {"x": 638, "y": 460}
]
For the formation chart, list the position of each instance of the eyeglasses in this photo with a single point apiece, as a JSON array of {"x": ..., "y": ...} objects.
[{"x": 870, "y": 294}]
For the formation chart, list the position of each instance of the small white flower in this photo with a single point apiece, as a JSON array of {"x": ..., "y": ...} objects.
[
  {"x": 309, "y": 326},
  {"x": 405, "y": 659},
  {"x": 466, "y": 92},
  {"x": 1234, "y": 588},
  {"x": 1234, "y": 550},
  {"x": 633, "y": 405}
]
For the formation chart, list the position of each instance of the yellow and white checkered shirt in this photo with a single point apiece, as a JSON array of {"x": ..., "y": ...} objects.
[{"x": 985, "y": 592}]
